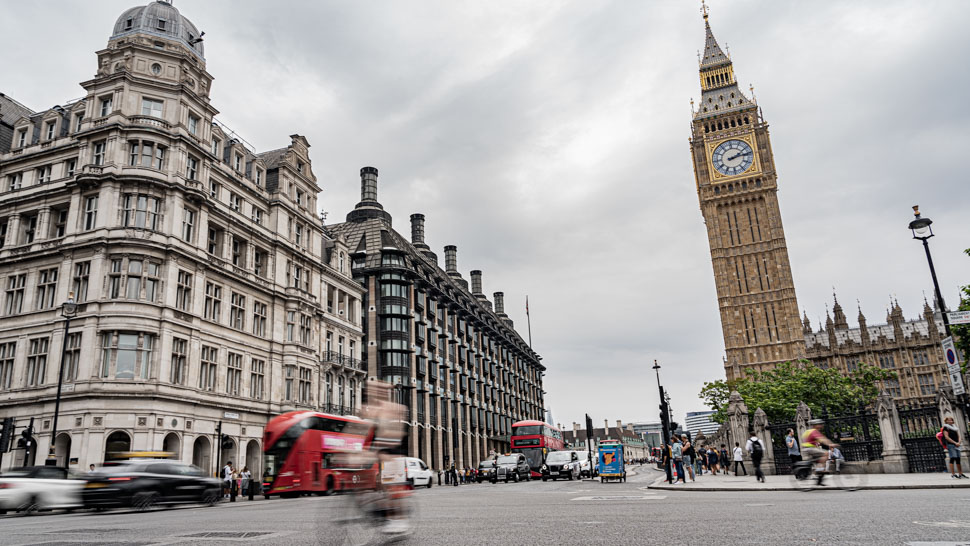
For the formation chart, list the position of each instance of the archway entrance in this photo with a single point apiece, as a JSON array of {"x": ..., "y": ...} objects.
[
  {"x": 202, "y": 454},
  {"x": 118, "y": 442},
  {"x": 253, "y": 459},
  {"x": 172, "y": 444},
  {"x": 62, "y": 449}
]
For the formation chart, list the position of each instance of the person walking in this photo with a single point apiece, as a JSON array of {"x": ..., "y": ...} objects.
[
  {"x": 723, "y": 458},
  {"x": 951, "y": 438},
  {"x": 739, "y": 459},
  {"x": 688, "y": 457},
  {"x": 757, "y": 452},
  {"x": 454, "y": 475},
  {"x": 791, "y": 442},
  {"x": 226, "y": 478},
  {"x": 677, "y": 454},
  {"x": 712, "y": 460},
  {"x": 245, "y": 477}
]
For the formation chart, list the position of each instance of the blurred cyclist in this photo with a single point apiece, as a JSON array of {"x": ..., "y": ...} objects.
[
  {"x": 812, "y": 446},
  {"x": 386, "y": 436}
]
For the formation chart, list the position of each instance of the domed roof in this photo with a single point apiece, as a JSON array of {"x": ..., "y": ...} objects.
[{"x": 160, "y": 18}]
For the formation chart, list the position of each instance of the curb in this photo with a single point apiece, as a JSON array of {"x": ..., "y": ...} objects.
[{"x": 666, "y": 487}]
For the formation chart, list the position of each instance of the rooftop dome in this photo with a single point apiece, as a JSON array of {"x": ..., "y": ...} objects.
[{"x": 160, "y": 18}]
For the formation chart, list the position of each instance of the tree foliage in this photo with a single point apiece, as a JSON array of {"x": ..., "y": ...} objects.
[
  {"x": 961, "y": 332},
  {"x": 778, "y": 391}
]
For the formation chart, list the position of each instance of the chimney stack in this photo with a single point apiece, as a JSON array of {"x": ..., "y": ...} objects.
[
  {"x": 476, "y": 282},
  {"x": 619, "y": 424},
  {"x": 368, "y": 185},
  {"x": 368, "y": 207},
  {"x": 499, "y": 303},
  {"x": 606, "y": 424},
  {"x": 417, "y": 230},
  {"x": 576, "y": 429},
  {"x": 451, "y": 259}
]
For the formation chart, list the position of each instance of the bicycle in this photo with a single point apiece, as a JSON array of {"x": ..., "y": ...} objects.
[{"x": 850, "y": 476}]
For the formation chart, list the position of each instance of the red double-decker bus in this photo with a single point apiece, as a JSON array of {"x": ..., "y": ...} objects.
[
  {"x": 305, "y": 452},
  {"x": 535, "y": 439}
]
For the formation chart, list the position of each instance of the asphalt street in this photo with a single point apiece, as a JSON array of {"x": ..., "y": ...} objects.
[{"x": 562, "y": 512}]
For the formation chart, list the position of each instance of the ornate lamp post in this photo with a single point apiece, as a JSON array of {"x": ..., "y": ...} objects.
[
  {"x": 922, "y": 231},
  {"x": 68, "y": 310}
]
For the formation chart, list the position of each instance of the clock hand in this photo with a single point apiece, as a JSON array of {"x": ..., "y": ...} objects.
[{"x": 733, "y": 157}]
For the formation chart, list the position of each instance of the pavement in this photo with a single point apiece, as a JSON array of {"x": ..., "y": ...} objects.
[
  {"x": 730, "y": 482},
  {"x": 539, "y": 513}
]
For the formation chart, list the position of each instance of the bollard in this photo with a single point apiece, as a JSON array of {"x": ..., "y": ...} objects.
[
  {"x": 233, "y": 490},
  {"x": 439, "y": 478},
  {"x": 251, "y": 488}
]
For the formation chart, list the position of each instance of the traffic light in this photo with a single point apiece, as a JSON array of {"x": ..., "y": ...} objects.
[
  {"x": 6, "y": 434},
  {"x": 225, "y": 441}
]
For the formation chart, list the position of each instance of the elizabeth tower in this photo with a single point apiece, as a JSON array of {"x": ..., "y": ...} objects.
[{"x": 737, "y": 187}]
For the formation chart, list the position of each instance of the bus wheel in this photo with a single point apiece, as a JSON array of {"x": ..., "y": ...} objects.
[{"x": 329, "y": 490}]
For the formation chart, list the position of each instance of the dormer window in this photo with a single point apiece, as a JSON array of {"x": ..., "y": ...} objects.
[
  {"x": 299, "y": 167},
  {"x": 216, "y": 145},
  {"x": 161, "y": 24},
  {"x": 259, "y": 177},
  {"x": 22, "y": 138},
  {"x": 237, "y": 164},
  {"x": 128, "y": 23},
  {"x": 78, "y": 119},
  {"x": 51, "y": 126}
]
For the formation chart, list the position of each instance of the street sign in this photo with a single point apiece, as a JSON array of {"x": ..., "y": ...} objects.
[
  {"x": 959, "y": 317},
  {"x": 953, "y": 366},
  {"x": 230, "y": 415}
]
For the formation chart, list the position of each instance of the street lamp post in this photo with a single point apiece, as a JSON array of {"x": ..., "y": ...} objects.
[
  {"x": 68, "y": 310},
  {"x": 664, "y": 424},
  {"x": 922, "y": 231}
]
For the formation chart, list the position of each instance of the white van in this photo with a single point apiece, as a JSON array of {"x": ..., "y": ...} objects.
[{"x": 417, "y": 473}]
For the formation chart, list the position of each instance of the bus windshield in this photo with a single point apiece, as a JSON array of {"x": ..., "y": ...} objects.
[
  {"x": 527, "y": 430},
  {"x": 533, "y": 456}
]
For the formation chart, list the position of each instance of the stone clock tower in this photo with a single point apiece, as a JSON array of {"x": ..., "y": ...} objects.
[{"x": 738, "y": 192}]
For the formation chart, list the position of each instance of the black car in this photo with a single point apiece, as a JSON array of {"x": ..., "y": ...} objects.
[
  {"x": 487, "y": 471},
  {"x": 562, "y": 464},
  {"x": 513, "y": 467},
  {"x": 144, "y": 483}
]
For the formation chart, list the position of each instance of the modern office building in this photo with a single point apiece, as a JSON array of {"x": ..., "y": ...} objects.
[
  {"x": 207, "y": 290},
  {"x": 458, "y": 364},
  {"x": 700, "y": 421}
]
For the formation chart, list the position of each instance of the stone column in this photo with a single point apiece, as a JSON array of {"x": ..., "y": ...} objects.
[
  {"x": 761, "y": 430},
  {"x": 803, "y": 414},
  {"x": 893, "y": 455},
  {"x": 950, "y": 407}
]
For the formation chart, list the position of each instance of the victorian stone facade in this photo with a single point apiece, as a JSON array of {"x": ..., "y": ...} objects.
[
  {"x": 207, "y": 288},
  {"x": 911, "y": 348},
  {"x": 737, "y": 186},
  {"x": 463, "y": 372}
]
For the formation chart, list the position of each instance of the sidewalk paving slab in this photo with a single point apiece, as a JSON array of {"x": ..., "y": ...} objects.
[{"x": 722, "y": 482}]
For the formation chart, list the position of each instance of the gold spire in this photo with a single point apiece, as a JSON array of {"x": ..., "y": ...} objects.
[{"x": 704, "y": 9}]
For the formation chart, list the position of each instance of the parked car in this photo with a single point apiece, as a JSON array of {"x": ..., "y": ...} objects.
[
  {"x": 561, "y": 464},
  {"x": 417, "y": 473},
  {"x": 35, "y": 488},
  {"x": 513, "y": 467},
  {"x": 487, "y": 471},
  {"x": 142, "y": 484}
]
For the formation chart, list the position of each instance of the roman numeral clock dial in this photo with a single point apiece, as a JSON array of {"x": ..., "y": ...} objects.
[{"x": 732, "y": 157}]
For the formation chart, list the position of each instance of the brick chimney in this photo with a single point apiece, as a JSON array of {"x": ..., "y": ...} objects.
[{"x": 368, "y": 206}]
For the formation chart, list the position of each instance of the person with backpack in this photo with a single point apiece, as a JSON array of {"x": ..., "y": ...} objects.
[
  {"x": 677, "y": 454},
  {"x": 949, "y": 436},
  {"x": 723, "y": 459},
  {"x": 688, "y": 450},
  {"x": 757, "y": 452}
]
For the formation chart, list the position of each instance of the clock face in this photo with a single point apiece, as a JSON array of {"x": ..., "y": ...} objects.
[{"x": 732, "y": 157}]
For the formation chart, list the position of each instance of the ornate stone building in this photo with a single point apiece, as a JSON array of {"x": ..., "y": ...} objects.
[
  {"x": 911, "y": 348},
  {"x": 738, "y": 191},
  {"x": 207, "y": 288},
  {"x": 460, "y": 367}
]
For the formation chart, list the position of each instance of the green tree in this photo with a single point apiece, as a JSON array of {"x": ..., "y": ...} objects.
[
  {"x": 778, "y": 391},
  {"x": 961, "y": 332}
]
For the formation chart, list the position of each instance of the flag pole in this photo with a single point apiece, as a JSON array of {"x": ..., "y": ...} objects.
[{"x": 528, "y": 320}]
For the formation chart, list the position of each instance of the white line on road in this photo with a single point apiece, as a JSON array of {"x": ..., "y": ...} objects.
[
  {"x": 760, "y": 504},
  {"x": 953, "y": 524},
  {"x": 619, "y": 498}
]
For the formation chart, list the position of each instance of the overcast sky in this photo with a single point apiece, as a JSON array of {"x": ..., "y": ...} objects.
[{"x": 548, "y": 141}]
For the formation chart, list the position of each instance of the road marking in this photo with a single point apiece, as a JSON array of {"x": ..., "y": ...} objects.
[
  {"x": 588, "y": 522},
  {"x": 952, "y": 524},
  {"x": 938, "y": 544},
  {"x": 619, "y": 498}
]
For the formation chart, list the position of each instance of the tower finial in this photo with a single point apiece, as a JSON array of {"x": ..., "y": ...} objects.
[{"x": 704, "y": 9}]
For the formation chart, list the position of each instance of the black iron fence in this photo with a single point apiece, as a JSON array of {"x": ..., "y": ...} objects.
[
  {"x": 857, "y": 434},
  {"x": 779, "y": 448},
  {"x": 919, "y": 425}
]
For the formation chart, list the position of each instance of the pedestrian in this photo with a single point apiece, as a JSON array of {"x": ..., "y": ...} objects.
[
  {"x": 91, "y": 468},
  {"x": 665, "y": 459},
  {"x": 739, "y": 459},
  {"x": 688, "y": 456},
  {"x": 439, "y": 476},
  {"x": 723, "y": 458},
  {"x": 454, "y": 475},
  {"x": 951, "y": 438},
  {"x": 835, "y": 456},
  {"x": 246, "y": 477},
  {"x": 757, "y": 452},
  {"x": 677, "y": 454},
  {"x": 226, "y": 478},
  {"x": 794, "y": 454},
  {"x": 715, "y": 459}
]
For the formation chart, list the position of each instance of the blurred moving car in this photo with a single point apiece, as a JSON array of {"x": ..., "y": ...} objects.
[
  {"x": 143, "y": 484},
  {"x": 586, "y": 470},
  {"x": 487, "y": 471},
  {"x": 35, "y": 488},
  {"x": 561, "y": 464},
  {"x": 513, "y": 467}
]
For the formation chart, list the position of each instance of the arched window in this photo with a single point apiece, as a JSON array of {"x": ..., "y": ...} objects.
[{"x": 118, "y": 442}]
